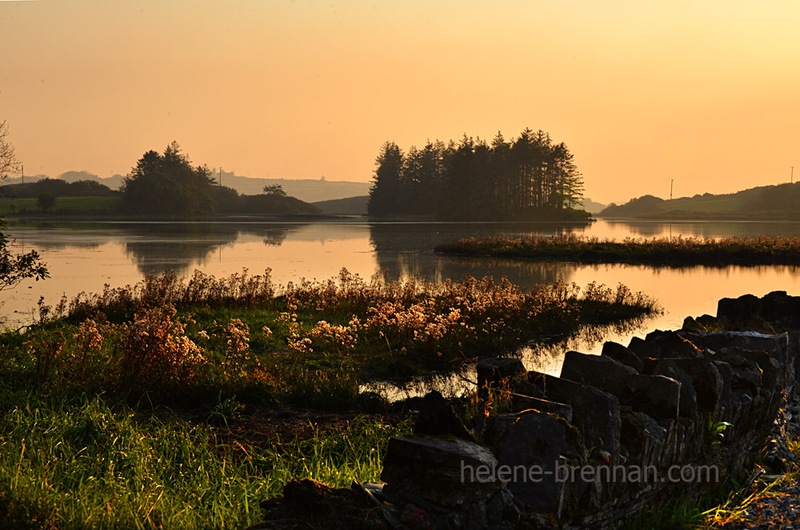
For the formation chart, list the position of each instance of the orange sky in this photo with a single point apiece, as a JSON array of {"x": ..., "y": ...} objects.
[{"x": 706, "y": 93}]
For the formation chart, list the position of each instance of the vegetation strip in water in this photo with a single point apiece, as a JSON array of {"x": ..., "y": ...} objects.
[
  {"x": 760, "y": 250},
  {"x": 87, "y": 437}
]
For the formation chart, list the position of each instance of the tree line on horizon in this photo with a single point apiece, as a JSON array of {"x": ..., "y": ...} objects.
[
  {"x": 168, "y": 184},
  {"x": 530, "y": 177}
]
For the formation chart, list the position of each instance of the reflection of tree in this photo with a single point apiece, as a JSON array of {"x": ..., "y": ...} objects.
[
  {"x": 33, "y": 228},
  {"x": 274, "y": 237},
  {"x": 405, "y": 250},
  {"x": 157, "y": 248}
]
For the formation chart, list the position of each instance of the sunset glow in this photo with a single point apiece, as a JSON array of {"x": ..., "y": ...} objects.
[{"x": 705, "y": 93}]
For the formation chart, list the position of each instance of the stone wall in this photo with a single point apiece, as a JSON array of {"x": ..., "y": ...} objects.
[{"x": 563, "y": 452}]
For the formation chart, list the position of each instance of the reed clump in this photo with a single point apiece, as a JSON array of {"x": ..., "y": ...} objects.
[{"x": 677, "y": 251}]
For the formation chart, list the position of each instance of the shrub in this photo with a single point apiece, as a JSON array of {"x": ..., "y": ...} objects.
[{"x": 156, "y": 355}]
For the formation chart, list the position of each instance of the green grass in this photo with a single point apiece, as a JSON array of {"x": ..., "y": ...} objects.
[
  {"x": 93, "y": 205},
  {"x": 88, "y": 463},
  {"x": 760, "y": 250}
]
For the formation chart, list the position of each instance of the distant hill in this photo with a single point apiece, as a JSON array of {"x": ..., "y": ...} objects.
[
  {"x": 113, "y": 182},
  {"x": 274, "y": 205},
  {"x": 58, "y": 188},
  {"x": 781, "y": 201},
  {"x": 348, "y": 206},
  {"x": 307, "y": 190},
  {"x": 590, "y": 206}
]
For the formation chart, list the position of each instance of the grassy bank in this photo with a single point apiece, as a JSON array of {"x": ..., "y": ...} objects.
[
  {"x": 153, "y": 405},
  {"x": 88, "y": 462},
  {"x": 761, "y": 250},
  {"x": 62, "y": 206}
]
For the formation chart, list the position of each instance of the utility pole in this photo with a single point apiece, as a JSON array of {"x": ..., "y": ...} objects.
[
  {"x": 220, "y": 176},
  {"x": 23, "y": 174},
  {"x": 671, "y": 181},
  {"x": 791, "y": 179}
]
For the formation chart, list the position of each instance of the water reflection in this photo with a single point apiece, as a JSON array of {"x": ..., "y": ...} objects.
[
  {"x": 702, "y": 228},
  {"x": 406, "y": 250},
  {"x": 546, "y": 357},
  {"x": 156, "y": 248}
]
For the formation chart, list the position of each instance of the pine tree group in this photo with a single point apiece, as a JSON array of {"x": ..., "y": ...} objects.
[{"x": 527, "y": 179}]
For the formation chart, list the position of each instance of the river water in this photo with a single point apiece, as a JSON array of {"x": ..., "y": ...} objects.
[{"x": 83, "y": 256}]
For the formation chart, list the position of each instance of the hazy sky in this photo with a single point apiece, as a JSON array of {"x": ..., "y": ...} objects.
[{"x": 706, "y": 93}]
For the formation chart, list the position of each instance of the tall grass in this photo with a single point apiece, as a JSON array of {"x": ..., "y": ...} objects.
[
  {"x": 87, "y": 465},
  {"x": 782, "y": 250}
]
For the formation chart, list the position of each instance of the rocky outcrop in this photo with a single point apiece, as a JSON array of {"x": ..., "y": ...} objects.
[{"x": 676, "y": 411}]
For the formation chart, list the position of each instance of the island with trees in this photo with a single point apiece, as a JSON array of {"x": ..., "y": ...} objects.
[
  {"x": 528, "y": 179},
  {"x": 163, "y": 185}
]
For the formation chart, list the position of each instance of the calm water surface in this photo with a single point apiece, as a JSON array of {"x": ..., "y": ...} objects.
[{"x": 85, "y": 256}]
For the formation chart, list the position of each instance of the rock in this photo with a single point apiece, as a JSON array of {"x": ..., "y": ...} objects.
[
  {"x": 603, "y": 373},
  {"x": 520, "y": 403},
  {"x": 595, "y": 413},
  {"x": 529, "y": 451},
  {"x": 771, "y": 374},
  {"x": 621, "y": 354},
  {"x": 642, "y": 437},
  {"x": 446, "y": 473},
  {"x": 663, "y": 344},
  {"x": 492, "y": 371},
  {"x": 655, "y": 395},
  {"x": 758, "y": 324},
  {"x": 688, "y": 400},
  {"x": 706, "y": 382},
  {"x": 436, "y": 417},
  {"x": 702, "y": 323},
  {"x": 746, "y": 373},
  {"x": 738, "y": 310},
  {"x": 779, "y": 308},
  {"x": 774, "y": 345},
  {"x": 778, "y": 347},
  {"x": 725, "y": 395},
  {"x": 316, "y": 505}
]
